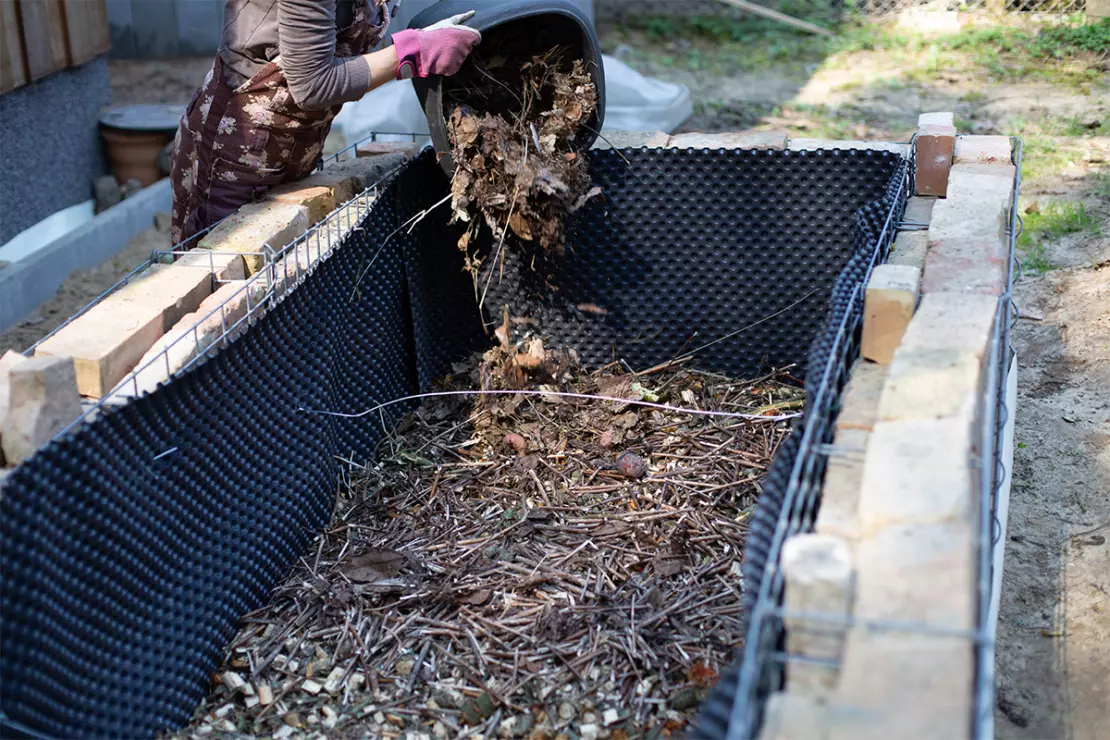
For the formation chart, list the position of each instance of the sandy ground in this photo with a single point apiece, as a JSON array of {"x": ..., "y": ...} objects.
[{"x": 81, "y": 288}]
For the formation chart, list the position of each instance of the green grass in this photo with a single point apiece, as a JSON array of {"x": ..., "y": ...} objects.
[
  {"x": 1056, "y": 219},
  {"x": 1101, "y": 185}
]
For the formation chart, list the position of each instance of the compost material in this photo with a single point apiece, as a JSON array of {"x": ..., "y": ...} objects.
[
  {"x": 522, "y": 565},
  {"x": 512, "y": 126}
]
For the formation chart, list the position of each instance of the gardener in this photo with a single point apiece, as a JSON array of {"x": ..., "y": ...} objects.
[{"x": 283, "y": 71}]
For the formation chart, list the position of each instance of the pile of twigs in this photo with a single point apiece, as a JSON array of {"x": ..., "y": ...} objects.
[{"x": 520, "y": 565}]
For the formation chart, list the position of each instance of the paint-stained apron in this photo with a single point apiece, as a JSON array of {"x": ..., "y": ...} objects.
[{"x": 234, "y": 145}]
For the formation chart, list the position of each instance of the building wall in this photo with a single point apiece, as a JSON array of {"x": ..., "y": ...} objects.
[{"x": 50, "y": 149}]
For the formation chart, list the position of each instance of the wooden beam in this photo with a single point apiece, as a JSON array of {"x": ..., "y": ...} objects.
[
  {"x": 44, "y": 37},
  {"x": 777, "y": 16},
  {"x": 13, "y": 69},
  {"x": 87, "y": 29}
]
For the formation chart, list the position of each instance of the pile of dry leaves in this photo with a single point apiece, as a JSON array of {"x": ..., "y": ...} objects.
[
  {"x": 512, "y": 128},
  {"x": 519, "y": 565}
]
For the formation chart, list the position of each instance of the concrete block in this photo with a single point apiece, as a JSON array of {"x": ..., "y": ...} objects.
[
  {"x": 790, "y": 716},
  {"x": 254, "y": 226},
  {"x": 889, "y": 303},
  {"x": 903, "y": 685},
  {"x": 7, "y": 362},
  {"x": 937, "y": 371},
  {"x": 749, "y": 140},
  {"x": 919, "y": 209},
  {"x": 379, "y": 148},
  {"x": 910, "y": 249},
  {"x": 838, "y": 514},
  {"x": 859, "y": 403},
  {"x": 935, "y": 143},
  {"x": 319, "y": 201},
  {"x": 107, "y": 341},
  {"x": 43, "y": 402},
  {"x": 632, "y": 140},
  {"x": 983, "y": 150},
  {"x": 919, "y": 472},
  {"x": 809, "y": 145},
  {"x": 195, "y": 333},
  {"x": 817, "y": 572}
]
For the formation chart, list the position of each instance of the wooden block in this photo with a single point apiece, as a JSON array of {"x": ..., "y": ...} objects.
[
  {"x": 43, "y": 402},
  {"x": 910, "y": 249},
  {"x": 937, "y": 370},
  {"x": 889, "y": 303},
  {"x": 751, "y": 140},
  {"x": 935, "y": 143},
  {"x": 319, "y": 201},
  {"x": 817, "y": 571},
  {"x": 859, "y": 403},
  {"x": 905, "y": 686},
  {"x": 790, "y": 716},
  {"x": 253, "y": 227},
  {"x": 195, "y": 333},
  {"x": 983, "y": 150},
  {"x": 107, "y": 342}
]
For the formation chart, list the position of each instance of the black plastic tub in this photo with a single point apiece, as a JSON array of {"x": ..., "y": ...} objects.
[{"x": 125, "y": 570}]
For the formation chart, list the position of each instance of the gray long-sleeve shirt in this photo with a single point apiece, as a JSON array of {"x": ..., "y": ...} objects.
[{"x": 303, "y": 33}]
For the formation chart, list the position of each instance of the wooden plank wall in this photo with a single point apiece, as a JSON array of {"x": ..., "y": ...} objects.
[{"x": 40, "y": 37}]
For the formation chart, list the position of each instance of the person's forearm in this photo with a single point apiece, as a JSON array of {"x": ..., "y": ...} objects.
[{"x": 383, "y": 66}]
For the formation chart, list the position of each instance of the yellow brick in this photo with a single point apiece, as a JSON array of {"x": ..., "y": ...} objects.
[
  {"x": 318, "y": 200},
  {"x": 889, "y": 302},
  {"x": 253, "y": 227}
]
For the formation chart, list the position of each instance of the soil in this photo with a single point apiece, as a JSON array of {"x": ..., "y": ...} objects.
[{"x": 80, "y": 289}]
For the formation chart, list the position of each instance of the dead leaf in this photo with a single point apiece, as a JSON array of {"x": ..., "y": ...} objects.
[
  {"x": 476, "y": 598},
  {"x": 374, "y": 565}
]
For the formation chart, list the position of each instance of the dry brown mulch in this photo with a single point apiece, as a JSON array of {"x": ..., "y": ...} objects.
[{"x": 520, "y": 565}]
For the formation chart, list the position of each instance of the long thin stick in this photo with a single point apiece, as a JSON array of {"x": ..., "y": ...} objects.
[
  {"x": 561, "y": 394},
  {"x": 777, "y": 16}
]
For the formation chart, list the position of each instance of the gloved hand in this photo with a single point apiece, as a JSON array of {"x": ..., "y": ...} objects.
[{"x": 439, "y": 49}]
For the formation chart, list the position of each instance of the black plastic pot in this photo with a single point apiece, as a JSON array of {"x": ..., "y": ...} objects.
[{"x": 551, "y": 22}]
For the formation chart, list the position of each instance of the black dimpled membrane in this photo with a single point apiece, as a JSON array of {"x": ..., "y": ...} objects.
[{"x": 130, "y": 548}]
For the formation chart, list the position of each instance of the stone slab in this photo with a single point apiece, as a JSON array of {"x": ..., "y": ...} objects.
[
  {"x": 790, "y": 716},
  {"x": 910, "y": 249},
  {"x": 9, "y": 360},
  {"x": 983, "y": 150},
  {"x": 809, "y": 145},
  {"x": 747, "y": 140},
  {"x": 919, "y": 209},
  {"x": 632, "y": 140}
]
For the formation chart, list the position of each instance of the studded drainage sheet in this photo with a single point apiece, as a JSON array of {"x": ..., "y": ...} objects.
[{"x": 125, "y": 570}]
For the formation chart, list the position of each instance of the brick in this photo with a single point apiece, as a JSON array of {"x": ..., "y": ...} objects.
[
  {"x": 248, "y": 231},
  {"x": 935, "y": 143},
  {"x": 318, "y": 200},
  {"x": 983, "y": 150},
  {"x": 749, "y": 140},
  {"x": 179, "y": 345},
  {"x": 632, "y": 140},
  {"x": 43, "y": 401},
  {"x": 945, "y": 118},
  {"x": 406, "y": 149},
  {"x": 348, "y": 179},
  {"x": 838, "y": 514},
  {"x": 910, "y": 249},
  {"x": 859, "y": 403},
  {"x": 903, "y": 685},
  {"x": 9, "y": 360},
  {"x": 968, "y": 244},
  {"x": 107, "y": 342},
  {"x": 937, "y": 371},
  {"x": 889, "y": 302},
  {"x": 918, "y": 471},
  {"x": 817, "y": 572},
  {"x": 790, "y": 716},
  {"x": 809, "y": 145}
]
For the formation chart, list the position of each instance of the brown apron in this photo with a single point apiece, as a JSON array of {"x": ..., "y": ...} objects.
[{"x": 234, "y": 145}]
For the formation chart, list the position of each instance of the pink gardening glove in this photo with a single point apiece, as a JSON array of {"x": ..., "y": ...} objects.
[{"x": 439, "y": 49}]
